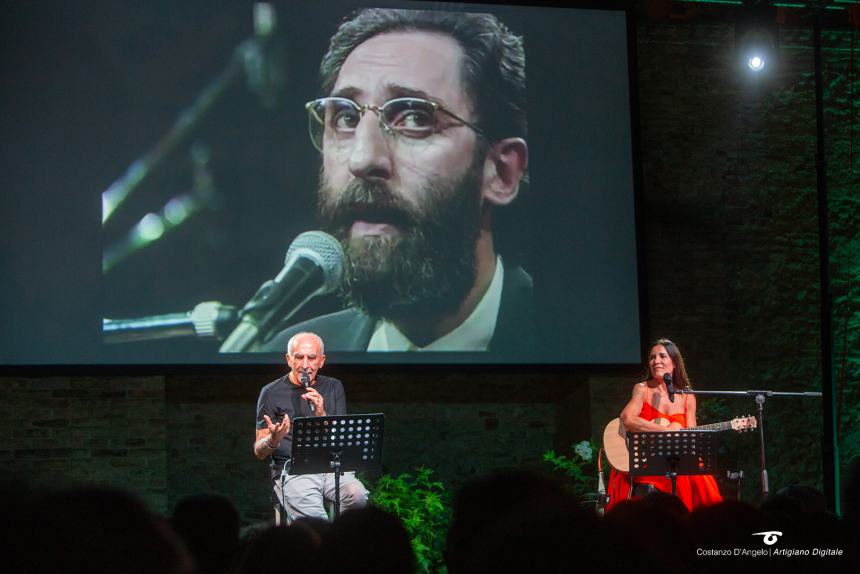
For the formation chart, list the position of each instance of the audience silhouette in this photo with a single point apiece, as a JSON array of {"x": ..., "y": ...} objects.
[
  {"x": 209, "y": 526},
  {"x": 512, "y": 521}
]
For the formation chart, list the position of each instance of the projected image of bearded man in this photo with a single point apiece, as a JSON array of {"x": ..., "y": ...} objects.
[{"x": 422, "y": 139}]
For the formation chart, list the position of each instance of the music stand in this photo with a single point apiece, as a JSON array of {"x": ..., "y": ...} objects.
[
  {"x": 338, "y": 444},
  {"x": 672, "y": 454}
]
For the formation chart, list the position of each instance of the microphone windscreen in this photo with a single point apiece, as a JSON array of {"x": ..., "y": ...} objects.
[
  {"x": 667, "y": 378},
  {"x": 323, "y": 249}
]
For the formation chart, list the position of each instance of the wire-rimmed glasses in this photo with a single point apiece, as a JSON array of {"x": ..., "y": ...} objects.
[{"x": 332, "y": 121}]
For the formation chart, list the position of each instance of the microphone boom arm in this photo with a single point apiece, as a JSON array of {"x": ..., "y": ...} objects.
[{"x": 246, "y": 61}]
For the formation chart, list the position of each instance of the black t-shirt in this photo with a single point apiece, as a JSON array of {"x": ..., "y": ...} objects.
[{"x": 282, "y": 397}]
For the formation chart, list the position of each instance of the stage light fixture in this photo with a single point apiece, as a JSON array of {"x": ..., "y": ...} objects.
[
  {"x": 756, "y": 63},
  {"x": 756, "y": 45}
]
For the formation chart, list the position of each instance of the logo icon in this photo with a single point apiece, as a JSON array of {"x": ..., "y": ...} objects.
[{"x": 769, "y": 536}]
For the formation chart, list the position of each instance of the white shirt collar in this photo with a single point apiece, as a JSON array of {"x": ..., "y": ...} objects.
[{"x": 473, "y": 334}]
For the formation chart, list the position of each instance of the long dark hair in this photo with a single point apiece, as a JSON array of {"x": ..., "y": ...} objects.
[{"x": 679, "y": 374}]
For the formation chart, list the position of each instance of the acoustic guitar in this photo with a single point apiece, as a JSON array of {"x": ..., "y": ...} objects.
[{"x": 615, "y": 437}]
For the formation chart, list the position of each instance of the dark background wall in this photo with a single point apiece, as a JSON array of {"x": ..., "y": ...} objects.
[{"x": 731, "y": 274}]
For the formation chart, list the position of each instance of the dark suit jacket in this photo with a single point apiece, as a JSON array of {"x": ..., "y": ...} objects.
[{"x": 351, "y": 329}]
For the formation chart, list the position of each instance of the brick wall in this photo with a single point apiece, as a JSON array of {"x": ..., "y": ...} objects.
[{"x": 102, "y": 430}]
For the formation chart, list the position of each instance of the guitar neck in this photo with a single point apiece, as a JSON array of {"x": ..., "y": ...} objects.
[{"x": 723, "y": 426}]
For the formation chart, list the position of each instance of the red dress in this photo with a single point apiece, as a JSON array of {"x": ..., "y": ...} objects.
[{"x": 693, "y": 491}]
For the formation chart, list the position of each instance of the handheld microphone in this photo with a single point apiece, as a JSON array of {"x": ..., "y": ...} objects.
[
  {"x": 667, "y": 378},
  {"x": 306, "y": 383},
  {"x": 313, "y": 266}
]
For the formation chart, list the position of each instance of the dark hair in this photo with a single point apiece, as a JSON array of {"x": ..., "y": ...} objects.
[
  {"x": 679, "y": 373},
  {"x": 368, "y": 540},
  {"x": 536, "y": 530},
  {"x": 494, "y": 65}
]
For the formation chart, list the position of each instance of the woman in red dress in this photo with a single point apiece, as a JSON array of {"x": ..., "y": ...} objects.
[{"x": 650, "y": 403}]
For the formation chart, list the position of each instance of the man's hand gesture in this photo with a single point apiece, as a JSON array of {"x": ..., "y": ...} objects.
[{"x": 277, "y": 431}]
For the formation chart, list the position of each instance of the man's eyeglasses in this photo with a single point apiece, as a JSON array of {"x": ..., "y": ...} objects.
[{"x": 333, "y": 120}]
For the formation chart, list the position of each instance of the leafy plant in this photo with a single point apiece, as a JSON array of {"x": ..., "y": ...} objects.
[
  {"x": 579, "y": 468},
  {"x": 424, "y": 507}
]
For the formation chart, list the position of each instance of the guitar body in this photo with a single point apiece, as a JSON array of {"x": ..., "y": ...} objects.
[
  {"x": 615, "y": 445},
  {"x": 615, "y": 437}
]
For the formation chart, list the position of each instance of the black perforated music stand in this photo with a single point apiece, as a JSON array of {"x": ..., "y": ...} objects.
[
  {"x": 337, "y": 444},
  {"x": 672, "y": 454}
]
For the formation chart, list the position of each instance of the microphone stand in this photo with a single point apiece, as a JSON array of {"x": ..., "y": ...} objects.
[
  {"x": 760, "y": 396},
  {"x": 251, "y": 59},
  {"x": 208, "y": 320}
]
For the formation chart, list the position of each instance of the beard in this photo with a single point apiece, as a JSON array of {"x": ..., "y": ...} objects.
[{"x": 428, "y": 268}]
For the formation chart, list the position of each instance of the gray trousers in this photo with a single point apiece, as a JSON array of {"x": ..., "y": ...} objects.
[{"x": 303, "y": 494}]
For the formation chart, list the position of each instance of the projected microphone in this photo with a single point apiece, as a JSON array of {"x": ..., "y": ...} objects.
[
  {"x": 306, "y": 383},
  {"x": 667, "y": 378},
  {"x": 207, "y": 320},
  {"x": 313, "y": 266}
]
